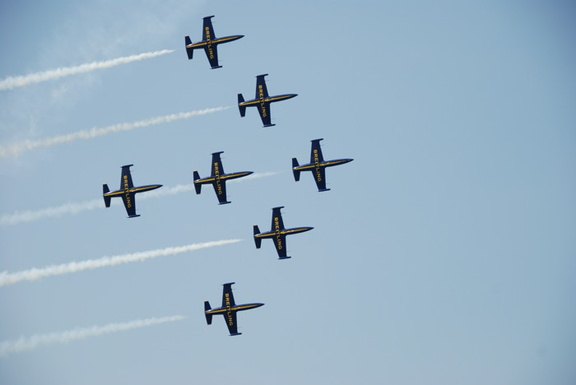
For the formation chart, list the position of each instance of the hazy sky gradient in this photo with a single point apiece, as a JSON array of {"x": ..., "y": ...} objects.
[{"x": 443, "y": 254}]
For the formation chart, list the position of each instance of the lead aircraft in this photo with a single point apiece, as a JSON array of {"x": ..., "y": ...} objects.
[
  {"x": 127, "y": 191},
  {"x": 209, "y": 43},
  {"x": 217, "y": 178},
  {"x": 228, "y": 309},
  {"x": 278, "y": 233},
  {"x": 317, "y": 165},
  {"x": 262, "y": 101}
]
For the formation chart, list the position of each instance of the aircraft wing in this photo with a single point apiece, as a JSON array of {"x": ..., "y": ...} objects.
[
  {"x": 280, "y": 244},
  {"x": 277, "y": 223},
  {"x": 264, "y": 110},
  {"x": 261, "y": 90},
  {"x": 212, "y": 54},
  {"x": 130, "y": 204},
  {"x": 220, "y": 190},
  {"x": 320, "y": 177},
  {"x": 207, "y": 30},
  {"x": 316, "y": 153},
  {"x": 126, "y": 178},
  {"x": 217, "y": 168},
  {"x": 231, "y": 322},
  {"x": 227, "y": 296}
]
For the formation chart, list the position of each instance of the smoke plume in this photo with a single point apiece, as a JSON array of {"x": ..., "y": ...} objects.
[
  {"x": 22, "y": 81},
  {"x": 32, "y": 342},
  {"x": 35, "y": 274}
]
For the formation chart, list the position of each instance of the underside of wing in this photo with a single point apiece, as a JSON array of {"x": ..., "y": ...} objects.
[
  {"x": 231, "y": 322},
  {"x": 217, "y": 168},
  {"x": 227, "y": 296},
  {"x": 212, "y": 54},
  {"x": 280, "y": 244},
  {"x": 126, "y": 178},
  {"x": 277, "y": 222},
  {"x": 320, "y": 177},
  {"x": 207, "y": 29},
  {"x": 264, "y": 110},
  {"x": 261, "y": 89},
  {"x": 130, "y": 204},
  {"x": 316, "y": 153},
  {"x": 220, "y": 190}
]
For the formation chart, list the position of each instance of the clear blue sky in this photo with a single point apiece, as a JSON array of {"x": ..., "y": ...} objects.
[{"x": 444, "y": 254}]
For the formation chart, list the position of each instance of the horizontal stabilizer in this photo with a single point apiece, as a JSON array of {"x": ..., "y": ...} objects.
[
  {"x": 197, "y": 186},
  {"x": 240, "y": 107},
  {"x": 207, "y": 307},
  {"x": 106, "y": 190},
  {"x": 294, "y": 171},
  {"x": 189, "y": 51},
  {"x": 134, "y": 216},
  {"x": 257, "y": 241}
]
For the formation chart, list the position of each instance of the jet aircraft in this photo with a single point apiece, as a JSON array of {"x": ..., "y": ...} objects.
[
  {"x": 127, "y": 191},
  {"x": 209, "y": 43},
  {"x": 228, "y": 309},
  {"x": 278, "y": 233},
  {"x": 262, "y": 101},
  {"x": 317, "y": 165},
  {"x": 218, "y": 178}
]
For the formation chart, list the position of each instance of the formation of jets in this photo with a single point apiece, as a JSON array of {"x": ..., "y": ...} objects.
[{"x": 218, "y": 177}]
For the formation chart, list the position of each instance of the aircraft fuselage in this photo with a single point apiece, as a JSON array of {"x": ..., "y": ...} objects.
[
  {"x": 210, "y": 44},
  {"x": 277, "y": 233},
  {"x": 230, "y": 308}
]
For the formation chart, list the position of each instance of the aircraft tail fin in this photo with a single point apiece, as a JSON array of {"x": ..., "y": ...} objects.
[
  {"x": 294, "y": 171},
  {"x": 189, "y": 51},
  {"x": 257, "y": 241},
  {"x": 106, "y": 190},
  {"x": 197, "y": 186},
  {"x": 207, "y": 307},
  {"x": 240, "y": 107}
]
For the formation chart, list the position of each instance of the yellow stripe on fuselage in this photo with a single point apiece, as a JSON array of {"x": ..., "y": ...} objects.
[{"x": 140, "y": 189}]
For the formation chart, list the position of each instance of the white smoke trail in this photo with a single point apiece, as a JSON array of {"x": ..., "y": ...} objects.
[
  {"x": 35, "y": 274},
  {"x": 29, "y": 343},
  {"x": 21, "y": 81},
  {"x": 18, "y": 148},
  {"x": 78, "y": 207},
  {"x": 182, "y": 188},
  {"x": 49, "y": 212}
]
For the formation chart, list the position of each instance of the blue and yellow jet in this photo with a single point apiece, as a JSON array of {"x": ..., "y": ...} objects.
[
  {"x": 262, "y": 101},
  {"x": 209, "y": 43},
  {"x": 127, "y": 191},
  {"x": 278, "y": 233},
  {"x": 217, "y": 178},
  {"x": 317, "y": 165},
  {"x": 228, "y": 309}
]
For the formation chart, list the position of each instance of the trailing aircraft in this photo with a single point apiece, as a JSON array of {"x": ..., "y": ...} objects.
[
  {"x": 218, "y": 178},
  {"x": 317, "y": 165},
  {"x": 262, "y": 101},
  {"x": 278, "y": 233},
  {"x": 127, "y": 191},
  {"x": 228, "y": 309},
  {"x": 209, "y": 43}
]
